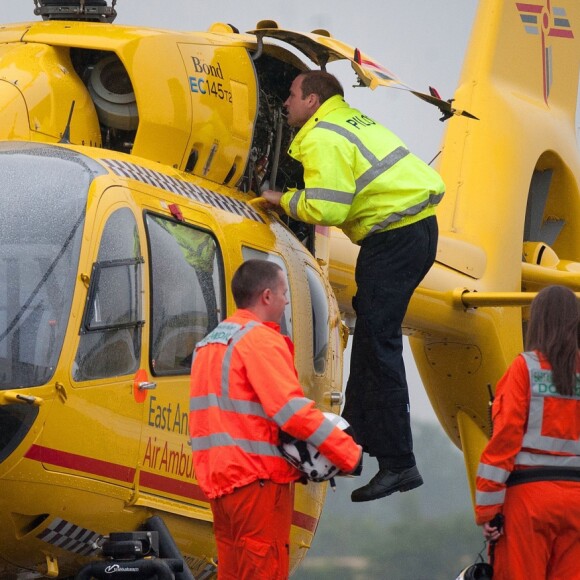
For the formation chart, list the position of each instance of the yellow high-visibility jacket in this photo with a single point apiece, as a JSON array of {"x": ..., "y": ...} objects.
[{"x": 358, "y": 175}]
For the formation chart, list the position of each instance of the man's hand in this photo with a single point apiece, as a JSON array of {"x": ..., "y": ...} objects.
[
  {"x": 493, "y": 529},
  {"x": 272, "y": 197}
]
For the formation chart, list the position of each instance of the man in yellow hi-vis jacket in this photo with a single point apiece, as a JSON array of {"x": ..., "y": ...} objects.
[{"x": 360, "y": 177}]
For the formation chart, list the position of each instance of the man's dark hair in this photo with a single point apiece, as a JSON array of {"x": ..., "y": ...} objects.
[
  {"x": 251, "y": 279},
  {"x": 553, "y": 330},
  {"x": 320, "y": 83}
]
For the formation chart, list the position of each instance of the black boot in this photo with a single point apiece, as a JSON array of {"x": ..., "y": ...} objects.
[{"x": 386, "y": 482}]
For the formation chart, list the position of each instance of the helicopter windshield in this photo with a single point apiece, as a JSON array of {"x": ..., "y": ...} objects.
[{"x": 43, "y": 195}]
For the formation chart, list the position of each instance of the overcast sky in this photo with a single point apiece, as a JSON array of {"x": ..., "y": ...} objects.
[{"x": 422, "y": 41}]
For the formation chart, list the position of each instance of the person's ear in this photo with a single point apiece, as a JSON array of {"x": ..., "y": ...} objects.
[
  {"x": 266, "y": 296},
  {"x": 313, "y": 101}
]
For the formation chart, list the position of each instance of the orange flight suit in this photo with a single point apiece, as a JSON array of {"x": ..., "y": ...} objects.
[
  {"x": 244, "y": 390},
  {"x": 530, "y": 471},
  {"x": 251, "y": 527}
]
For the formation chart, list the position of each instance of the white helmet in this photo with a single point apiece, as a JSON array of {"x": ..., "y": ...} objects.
[
  {"x": 477, "y": 571},
  {"x": 305, "y": 457}
]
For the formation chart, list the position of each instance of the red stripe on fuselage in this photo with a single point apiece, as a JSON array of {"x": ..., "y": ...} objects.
[
  {"x": 81, "y": 463},
  {"x": 172, "y": 486},
  {"x": 126, "y": 474}
]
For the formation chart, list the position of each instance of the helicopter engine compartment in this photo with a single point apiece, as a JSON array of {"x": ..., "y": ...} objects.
[
  {"x": 110, "y": 88},
  {"x": 268, "y": 165},
  {"x": 215, "y": 111}
]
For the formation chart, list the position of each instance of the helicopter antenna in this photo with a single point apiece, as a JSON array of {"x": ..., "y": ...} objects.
[
  {"x": 66, "y": 133},
  {"x": 86, "y": 10},
  {"x": 256, "y": 55}
]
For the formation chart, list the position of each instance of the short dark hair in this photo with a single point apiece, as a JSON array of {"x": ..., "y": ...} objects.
[
  {"x": 553, "y": 330},
  {"x": 251, "y": 279},
  {"x": 320, "y": 83}
]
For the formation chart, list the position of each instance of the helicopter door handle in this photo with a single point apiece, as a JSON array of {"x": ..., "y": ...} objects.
[
  {"x": 335, "y": 397},
  {"x": 12, "y": 397},
  {"x": 144, "y": 386}
]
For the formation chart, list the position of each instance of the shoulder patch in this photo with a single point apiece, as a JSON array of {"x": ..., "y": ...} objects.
[{"x": 221, "y": 334}]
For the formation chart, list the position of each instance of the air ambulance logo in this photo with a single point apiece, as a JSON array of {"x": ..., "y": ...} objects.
[{"x": 550, "y": 23}]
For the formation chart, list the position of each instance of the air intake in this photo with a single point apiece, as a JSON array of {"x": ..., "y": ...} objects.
[{"x": 112, "y": 93}]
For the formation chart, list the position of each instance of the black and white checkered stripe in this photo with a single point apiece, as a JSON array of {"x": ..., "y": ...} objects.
[
  {"x": 71, "y": 537},
  {"x": 184, "y": 188}
]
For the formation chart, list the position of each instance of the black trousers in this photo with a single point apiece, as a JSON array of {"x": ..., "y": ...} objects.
[{"x": 390, "y": 266}]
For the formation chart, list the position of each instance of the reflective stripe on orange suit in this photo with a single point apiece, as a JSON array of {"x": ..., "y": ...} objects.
[
  {"x": 532, "y": 427},
  {"x": 238, "y": 408}
]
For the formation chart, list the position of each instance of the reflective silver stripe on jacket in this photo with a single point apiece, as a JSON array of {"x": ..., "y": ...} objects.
[
  {"x": 293, "y": 204},
  {"x": 433, "y": 199},
  {"x": 483, "y": 498},
  {"x": 377, "y": 166},
  {"x": 380, "y": 167},
  {"x": 544, "y": 460},
  {"x": 226, "y": 440},
  {"x": 493, "y": 473},
  {"x": 349, "y": 136},
  {"x": 321, "y": 194},
  {"x": 318, "y": 194},
  {"x": 321, "y": 434},
  {"x": 290, "y": 409},
  {"x": 241, "y": 406},
  {"x": 541, "y": 386},
  {"x": 235, "y": 338},
  {"x": 294, "y": 406}
]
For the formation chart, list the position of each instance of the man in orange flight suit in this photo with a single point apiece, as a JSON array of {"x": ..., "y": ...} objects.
[
  {"x": 244, "y": 389},
  {"x": 530, "y": 468}
]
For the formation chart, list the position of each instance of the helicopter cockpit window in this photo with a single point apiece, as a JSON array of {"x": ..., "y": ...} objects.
[
  {"x": 42, "y": 205},
  {"x": 253, "y": 254},
  {"x": 320, "y": 329},
  {"x": 186, "y": 289},
  {"x": 110, "y": 343}
]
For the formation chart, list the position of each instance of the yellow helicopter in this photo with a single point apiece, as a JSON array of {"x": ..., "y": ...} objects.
[{"x": 128, "y": 202}]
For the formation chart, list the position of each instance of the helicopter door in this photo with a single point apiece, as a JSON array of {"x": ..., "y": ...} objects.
[
  {"x": 95, "y": 433},
  {"x": 321, "y": 48},
  {"x": 187, "y": 302}
]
